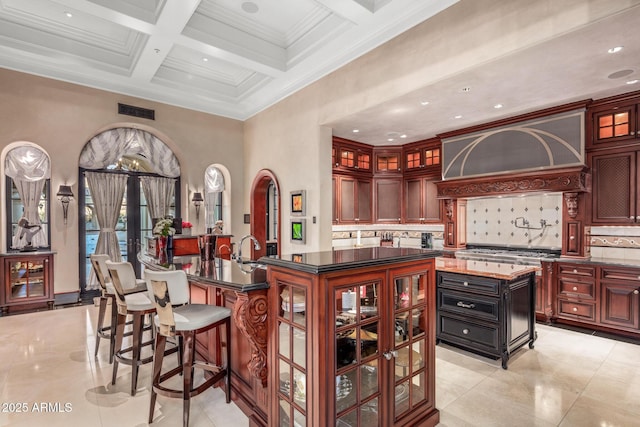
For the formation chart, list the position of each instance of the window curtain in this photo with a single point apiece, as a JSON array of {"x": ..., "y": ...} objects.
[
  {"x": 107, "y": 191},
  {"x": 158, "y": 192},
  {"x": 213, "y": 186},
  {"x": 29, "y": 168},
  {"x": 106, "y": 148}
]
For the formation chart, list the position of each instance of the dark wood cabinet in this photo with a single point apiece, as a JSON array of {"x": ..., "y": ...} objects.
[
  {"x": 616, "y": 189},
  {"x": 351, "y": 156},
  {"x": 387, "y": 161},
  {"x": 387, "y": 200},
  {"x": 614, "y": 121},
  {"x": 352, "y": 202},
  {"x": 576, "y": 292},
  {"x": 493, "y": 317},
  {"x": 421, "y": 203},
  {"x": 423, "y": 157},
  {"x": 354, "y": 346},
  {"x": 620, "y": 298},
  {"x": 28, "y": 281}
]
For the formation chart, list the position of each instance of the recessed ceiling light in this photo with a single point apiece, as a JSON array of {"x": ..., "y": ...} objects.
[
  {"x": 632, "y": 82},
  {"x": 466, "y": 89},
  {"x": 355, "y": 130},
  {"x": 457, "y": 117},
  {"x": 404, "y": 135},
  {"x": 498, "y": 106},
  {"x": 68, "y": 14},
  {"x": 205, "y": 59},
  {"x": 250, "y": 7},
  {"x": 390, "y": 139},
  {"x": 424, "y": 102},
  {"x": 615, "y": 49}
]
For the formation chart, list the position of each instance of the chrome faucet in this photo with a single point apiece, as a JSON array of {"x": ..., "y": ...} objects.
[
  {"x": 256, "y": 246},
  {"x": 224, "y": 245}
]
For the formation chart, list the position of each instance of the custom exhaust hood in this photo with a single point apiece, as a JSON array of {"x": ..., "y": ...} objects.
[{"x": 540, "y": 152}]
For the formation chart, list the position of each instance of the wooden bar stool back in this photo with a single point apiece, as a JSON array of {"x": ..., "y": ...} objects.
[
  {"x": 176, "y": 317},
  {"x": 138, "y": 305},
  {"x": 108, "y": 296}
]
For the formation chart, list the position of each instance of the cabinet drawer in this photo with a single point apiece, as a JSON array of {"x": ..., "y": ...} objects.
[
  {"x": 574, "y": 288},
  {"x": 469, "y": 305},
  {"x": 578, "y": 271},
  {"x": 474, "y": 335},
  {"x": 465, "y": 283},
  {"x": 573, "y": 309},
  {"x": 628, "y": 275}
]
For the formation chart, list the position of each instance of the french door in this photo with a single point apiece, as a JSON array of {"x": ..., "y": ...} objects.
[{"x": 133, "y": 226}]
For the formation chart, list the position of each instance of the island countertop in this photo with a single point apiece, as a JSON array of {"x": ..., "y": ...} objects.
[
  {"x": 496, "y": 270},
  {"x": 220, "y": 272},
  {"x": 343, "y": 259}
]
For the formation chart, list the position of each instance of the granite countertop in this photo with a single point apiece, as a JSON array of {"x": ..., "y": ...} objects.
[
  {"x": 21, "y": 253},
  {"x": 496, "y": 270},
  {"x": 344, "y": 259},
  {"x": 619, "y": 262},
  {"x": 220, "y": 272}
]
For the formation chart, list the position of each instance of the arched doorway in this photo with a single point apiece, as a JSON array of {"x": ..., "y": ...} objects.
[{"x": 265, "y": 214}]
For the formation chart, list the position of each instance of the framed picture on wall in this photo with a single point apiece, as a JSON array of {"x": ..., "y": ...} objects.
[
  {"x": 298, "y": 230},
  {"x": 297, "y": 202}
]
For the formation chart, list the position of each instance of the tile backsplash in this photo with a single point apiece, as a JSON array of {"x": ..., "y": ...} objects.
[{"x": 520, "y": 221}]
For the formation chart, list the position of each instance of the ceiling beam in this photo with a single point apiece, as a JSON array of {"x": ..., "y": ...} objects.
[{"x": 351, "y": 10}]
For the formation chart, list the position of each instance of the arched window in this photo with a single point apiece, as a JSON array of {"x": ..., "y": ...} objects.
[
  {"x": 213, "y": 189},
  {"x": 28, "y": 173}
]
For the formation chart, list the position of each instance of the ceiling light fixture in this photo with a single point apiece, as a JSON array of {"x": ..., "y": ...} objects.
[
  {"x": 390, "y": 139},
  {"x": 404, "y": 135},
  {"x": 355, "y": 130},
  {"x": 250, "y": 7},
  {"x": 498, "y": 106},
  {"x": 615, "y": 49},
  {"x": 424, "y": 103},
  {"x": 457, "y": 117},
  {"x": 466, "y": 89},
  {"x": 632, "y": 82},
  {"x": 68, "y": 14},
  {"x": 205, "y": 59}
]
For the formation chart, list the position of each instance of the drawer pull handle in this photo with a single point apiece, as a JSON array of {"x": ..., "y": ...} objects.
[
  {"x": 575, "y": 308},
  {"x": 465, "y": 283},
  {"x": 575, "y": 288},
  {"x": 465, "y": 331},
  {"x": 463, "y": 305}
]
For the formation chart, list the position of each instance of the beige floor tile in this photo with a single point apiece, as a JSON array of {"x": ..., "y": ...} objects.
[{"x": 590, "y": 412}]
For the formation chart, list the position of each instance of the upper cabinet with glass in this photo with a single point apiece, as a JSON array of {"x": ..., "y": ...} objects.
[
  {"x": 27, "y": 177},
  {"x": 614, "y": 121}
]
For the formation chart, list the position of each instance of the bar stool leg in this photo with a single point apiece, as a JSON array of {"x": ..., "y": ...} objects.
[
  {"x": 101, "y": 312},
  {"x": 114, "y": 322},
  {"x": 120, "y": 322},
  {"x": 158, "y": 357},
  {"x": 187, "y": 373},
  {"x": 138, "y": 325}
]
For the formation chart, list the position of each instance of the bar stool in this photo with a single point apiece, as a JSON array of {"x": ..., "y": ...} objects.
[
  {"x": 176, "y": 317},
  {"x": 108, "y": 295},
  {"x": 138, "y": 305}
]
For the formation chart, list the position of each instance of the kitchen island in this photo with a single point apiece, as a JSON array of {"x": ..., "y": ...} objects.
[
  {"x": 352, "y": 337},
  {"x": 486, "y": 307},
  {"x": 243, "y": 289}
]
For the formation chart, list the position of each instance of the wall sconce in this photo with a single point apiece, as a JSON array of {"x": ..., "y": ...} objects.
[
  {"x": 65, "y": 195},
  {"x": 197, "y": 202}
]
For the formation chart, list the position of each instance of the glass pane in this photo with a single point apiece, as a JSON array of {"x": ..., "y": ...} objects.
[
  {"x": 622, "y": 130},
  {"x": 284, "y": 294},
  {"x": 299, "y": 306},
  {"x": 369, "y": 413},
  {"x": 299, "y": 388},
  {"x": 285, "y": 378},
  {"x": 285, "y": 413},
  {"x": 369, "y": 300},
  {"x": 348, "y": 420},
  {"x": 402, "y": 368},
  {"x": 402, "y": 326},
  {"x": 368, "y": 379},
  {"x": 285, "y": 340},
  {"x": 368, "y": 340},
  {"x": 417, "y": 355},
  {"x": 346, "y": 396},
  {"x": 402, "y": 293},
  {"x": 402, "y": 398},
  {"x": 621, "y": 118},
  {"x": 418, "y": 388},
  {"x": 418, "y": 322},
  {"x": 418, "y": 289},
  {"x": 605, "y": 121},
  {"x": 345, "y": 306},
  {"x": 345, "y": 348},
  {"x": 298, "y": 418},
  {"x": 606, "y": 132},
  {"x": 299, "y": 347}
]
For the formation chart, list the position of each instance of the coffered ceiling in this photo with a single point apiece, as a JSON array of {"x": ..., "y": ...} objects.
[
  {"x": 234, "y": 58},
  {"x": 226, "y": 57}
]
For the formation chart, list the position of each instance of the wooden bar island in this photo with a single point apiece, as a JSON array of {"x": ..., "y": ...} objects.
[{"x": 336, "y": 338}]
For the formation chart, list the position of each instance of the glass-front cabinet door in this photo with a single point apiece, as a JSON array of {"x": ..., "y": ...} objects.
[
  {"x": 27, "y": 278},
  {"x": 410, "y": 343}
]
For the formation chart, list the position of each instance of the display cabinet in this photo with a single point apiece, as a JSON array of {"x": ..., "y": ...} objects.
[
  {"x": 354, "y": 347},
  {"x": 28, "y": 281}
]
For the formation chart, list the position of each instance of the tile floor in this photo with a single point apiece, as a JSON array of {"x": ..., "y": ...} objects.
[{"x": 569, "y": 379}]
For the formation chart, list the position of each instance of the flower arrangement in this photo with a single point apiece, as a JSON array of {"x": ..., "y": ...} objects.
[
  {"x": 164, "y": 227},
  {"x": 186, "y": 224}
]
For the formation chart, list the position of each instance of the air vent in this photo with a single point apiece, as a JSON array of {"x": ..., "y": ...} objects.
[{"x": 130, "y": 110}]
